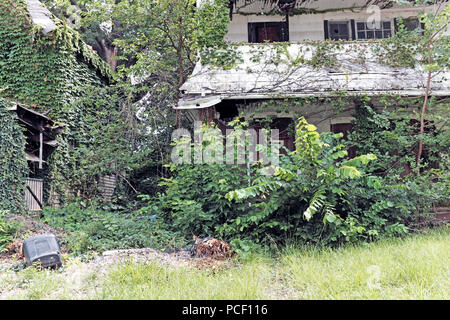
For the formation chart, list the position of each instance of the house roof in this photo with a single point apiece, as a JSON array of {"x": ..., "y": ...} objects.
[
  {"x": 42, "y": 17},
  {"x": 280, "y": 70}
]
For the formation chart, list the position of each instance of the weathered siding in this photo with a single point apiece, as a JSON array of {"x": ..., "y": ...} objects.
[
  {"x": 107, "y": 186},
  {"x": 311, "y": 26},
  {"x": 37, "y": 186}
]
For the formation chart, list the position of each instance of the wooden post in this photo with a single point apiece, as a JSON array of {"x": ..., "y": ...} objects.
[{"x": 41, "y": 149}]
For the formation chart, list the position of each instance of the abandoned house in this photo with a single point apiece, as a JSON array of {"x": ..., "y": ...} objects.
[
  {"x": 284, "y": 55},
  {"x": 40, "y": 141},
  {"x": 44, "y": 97}
]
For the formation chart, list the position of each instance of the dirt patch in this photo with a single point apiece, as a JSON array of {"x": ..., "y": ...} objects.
[
  {"x": 78, "y": 274},
  {"x": 144, "y": 255},
  {"x": 173, "y": 259},
  {"x": 79, "y": 279}
]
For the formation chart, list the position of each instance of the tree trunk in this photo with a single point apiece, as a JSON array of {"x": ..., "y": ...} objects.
[
  {"x": 110, "y": 52},
  {"x": 181, "y": 71},
  {"x": 424, "y": 109}
]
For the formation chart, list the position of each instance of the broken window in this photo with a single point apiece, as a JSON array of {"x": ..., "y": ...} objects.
[
  {"x": 259, "y": 32},
  {"x": 337, "y": 30}
]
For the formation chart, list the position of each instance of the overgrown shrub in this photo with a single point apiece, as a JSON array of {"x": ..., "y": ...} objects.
[
  {"x": 194, "y": 201},
  {"x": 7, "y": 231},
  {"x": 308, "y": 198},
  {"x": 91, "y": 228},
  {"x": 393, "y": 137}
]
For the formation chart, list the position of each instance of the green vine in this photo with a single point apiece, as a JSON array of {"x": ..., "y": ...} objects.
[
  {"x": 13, "y": 167},
  {"x": 54, "y": 73}
]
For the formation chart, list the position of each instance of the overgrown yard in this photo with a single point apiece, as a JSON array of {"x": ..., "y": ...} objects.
[{"x": 415, "y": 267}]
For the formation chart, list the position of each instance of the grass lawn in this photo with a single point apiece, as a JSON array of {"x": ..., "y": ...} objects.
[{"x": 416, "y": 267}]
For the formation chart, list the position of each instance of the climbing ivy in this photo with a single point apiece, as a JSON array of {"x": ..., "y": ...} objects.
[
  {"x": 13, "y": 167},
  {"x": 53, "y": 73}
]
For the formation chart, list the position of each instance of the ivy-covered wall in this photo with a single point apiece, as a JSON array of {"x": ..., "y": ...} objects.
[
  {"x": 52, "y": 73},
  {"x": 13, "y": 167},
  {"x": 45, "y": 71}
]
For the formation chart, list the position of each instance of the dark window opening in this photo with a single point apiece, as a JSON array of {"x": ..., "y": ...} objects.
[
  {"x": 259, "y": 32},
  {"x": 411, "y": 24},
  {"x": 286, "y": 130},
  {"x": 228, "y": 110},
  {"x": 345, "y": 129},
  {"x": 339, "y": 30}
]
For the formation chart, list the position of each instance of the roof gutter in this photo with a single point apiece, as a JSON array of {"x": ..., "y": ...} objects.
[
  {"x": 257, "y": 96},
  {"x": 200, "y": 103}
]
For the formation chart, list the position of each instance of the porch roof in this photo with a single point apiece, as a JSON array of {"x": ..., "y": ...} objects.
[{"x": 282, "y": 70}]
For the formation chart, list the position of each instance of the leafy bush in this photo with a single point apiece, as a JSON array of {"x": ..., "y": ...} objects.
[
  {"x": 7, "y": 231},
  {"x": 308, "y": 198},
  {"x": 94, "y": 229},
  {"x": 393, "y": 137},
  {"x": 316, "y": 195},
  {"x": 194, "y": 201}
]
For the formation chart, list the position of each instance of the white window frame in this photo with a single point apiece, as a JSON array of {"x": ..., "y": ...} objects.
[{"x": 392, "y": 27}]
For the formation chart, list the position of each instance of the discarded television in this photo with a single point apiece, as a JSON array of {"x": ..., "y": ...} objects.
[{"x": 43, "y": 248}]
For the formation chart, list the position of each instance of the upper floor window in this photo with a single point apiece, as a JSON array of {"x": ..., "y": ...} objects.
[
  {"x": 411, "y": 24},
  {"x": 357, "y": 30},
  {"x": 365, "y": 31},
  {"x": 338, "y": 30},
  {"x": 259, "y": 32}
]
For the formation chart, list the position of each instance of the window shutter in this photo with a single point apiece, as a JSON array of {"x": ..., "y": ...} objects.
[
  {"x": 284, "y": 32},
  {"x": 395, "y": 25},
  {"x": 353, "y": 26},
  {"x": 325, "y": 27},
  {"x": 251, "y": 33}
]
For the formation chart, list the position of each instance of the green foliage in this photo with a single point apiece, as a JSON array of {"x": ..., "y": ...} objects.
[
  {"x": 94, "y": 229},
  {"x": 58, "y": 73},
  {"x": 213, "y": 21},
  {"x": 305, "y": 197},
  {"x": 392, "y": 136},
  {"x": 391, "y": 133},
  {"x": 324, "y": 54},
  {"x": 428, "y": 47},
  {"x": 13, "y": 166},
  {"x": 7, "y": 231},
  {"x": 43, "y": 70},
  {"x": 309, "y": 198},
  {"x": 194, "y": 201}
]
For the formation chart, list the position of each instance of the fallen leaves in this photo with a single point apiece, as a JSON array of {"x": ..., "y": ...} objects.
[
  {"x": 15, "y": 247},
  {"x": 211, "y": 248}
]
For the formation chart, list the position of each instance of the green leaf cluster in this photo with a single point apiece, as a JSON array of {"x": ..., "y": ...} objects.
[{"x": 13, "y": 166}]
